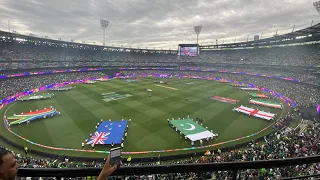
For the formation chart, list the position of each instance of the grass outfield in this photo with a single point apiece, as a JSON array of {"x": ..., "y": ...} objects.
[{"x": 81, "y": 108}]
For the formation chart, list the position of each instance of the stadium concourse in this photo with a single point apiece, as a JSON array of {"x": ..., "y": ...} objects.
[{"x": 18, "y": 58}]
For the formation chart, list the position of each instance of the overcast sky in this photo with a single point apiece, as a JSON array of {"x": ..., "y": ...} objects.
[{"x": 156, "y": 23}]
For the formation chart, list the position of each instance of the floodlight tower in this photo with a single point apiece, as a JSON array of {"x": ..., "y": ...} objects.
[
  {"x": 104, "y": 24},
  {"x": 317, "y": 6},
  {"x": 197, "y": 29}
]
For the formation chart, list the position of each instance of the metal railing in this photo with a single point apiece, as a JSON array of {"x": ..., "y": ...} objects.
[
  {"x": 135, "y": 160},
  {"x": 235, "y": 167}
]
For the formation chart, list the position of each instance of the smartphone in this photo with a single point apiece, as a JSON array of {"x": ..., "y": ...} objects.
[{"x": 115, "y": 157}]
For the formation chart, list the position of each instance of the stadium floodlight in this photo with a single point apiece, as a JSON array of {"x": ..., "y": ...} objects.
[
  {"x": 104, "y": 24},
  {"x": 317, "y": 6},
  {"x": 197, "y": 29}
]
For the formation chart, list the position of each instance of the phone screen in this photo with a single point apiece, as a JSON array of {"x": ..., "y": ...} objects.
[{"x": 115, "y": 156}]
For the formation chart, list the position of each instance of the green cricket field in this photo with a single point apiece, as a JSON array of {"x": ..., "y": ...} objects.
[{"x": 85, "y": 105}]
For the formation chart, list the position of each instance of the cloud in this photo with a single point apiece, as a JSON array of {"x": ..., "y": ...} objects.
[{"x": 160, "y": 23}]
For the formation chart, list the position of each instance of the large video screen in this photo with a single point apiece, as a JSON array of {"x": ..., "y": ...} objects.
[{"x": 188, "y": 50}]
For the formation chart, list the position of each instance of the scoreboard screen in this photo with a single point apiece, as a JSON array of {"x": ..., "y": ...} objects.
[{"x": 188, "y": 49}]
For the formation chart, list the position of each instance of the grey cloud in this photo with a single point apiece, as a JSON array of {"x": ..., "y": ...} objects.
[{"x": 158, "y": 23}]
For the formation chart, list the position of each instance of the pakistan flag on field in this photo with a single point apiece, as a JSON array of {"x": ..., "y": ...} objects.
[{"x": 191, "y": 129}]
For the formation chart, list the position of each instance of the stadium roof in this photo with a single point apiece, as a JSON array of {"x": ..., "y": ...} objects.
[
  {"x": 303, "y": 35},
  {"x": 302, "y": 32},
  {"x": 8, "y": 36}
]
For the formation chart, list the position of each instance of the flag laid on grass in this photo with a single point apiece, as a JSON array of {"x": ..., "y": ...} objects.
[
  {"x": 61, "y": 88},
  {"x": 90, "y": 82},
  {"x": 191, "y": 129},
  {"x": 255, "y": 95},
  {"x": 255, "y": 112},
  {"x": 250, "y": 89},
  {"x": 109, "y": 132},
  {"x": 103, "y": 79},
  {"x": 237, "y": 84},
  {"x": 30, "y": 116},
  {"x": 226, "y": 100},
  {"x": 36, "y": 97},
  {"x": 266, "y": 103},
  {"x": 223, "y": 80}
]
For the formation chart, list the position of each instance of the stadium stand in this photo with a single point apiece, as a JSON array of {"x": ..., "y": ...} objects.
[
  {"x": 10, "y": 87},
  {"x": 306, "y": 55},
  {"x": 24, "y": 58},
  {"x": 19, "y": 53},
  {"x": 299, "y": 62}
]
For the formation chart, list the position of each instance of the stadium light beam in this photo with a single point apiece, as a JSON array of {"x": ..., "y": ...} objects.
[
  {"x": 104, "y": 24},
  {"x": 197, "y": 30},
  {"x": 317, "y": 6}
]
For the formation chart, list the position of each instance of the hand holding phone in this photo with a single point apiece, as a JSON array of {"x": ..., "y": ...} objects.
[
  {"x": 107, "y": 170},
  {"x": 115, "y": 156}
]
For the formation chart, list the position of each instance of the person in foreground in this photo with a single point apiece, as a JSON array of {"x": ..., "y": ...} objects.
[
  {"x": 9, "y": 167},
  {"x": 107, "y": 170}
]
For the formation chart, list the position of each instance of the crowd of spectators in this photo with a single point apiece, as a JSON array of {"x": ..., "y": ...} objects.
[
  {"x": 30, "y": 65},
  {"x": 15, "y": 55},
  {"x": 285, "y": 72},
  {"x": 12, "y": 86},
  {"x": 303, "y": 55},
  {"x": 51, "y": 53},
  {"x": 22, "y": 71}
]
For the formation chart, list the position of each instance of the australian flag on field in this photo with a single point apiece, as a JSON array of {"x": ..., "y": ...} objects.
[{"x": 109, "y": 132}]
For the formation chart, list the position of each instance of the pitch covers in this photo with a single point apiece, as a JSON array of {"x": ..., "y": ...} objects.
[{"x": 191, "y": 129}]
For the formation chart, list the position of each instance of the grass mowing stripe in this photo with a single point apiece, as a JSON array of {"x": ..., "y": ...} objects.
[
  {"x": 121, "y": 108},
  {"x": 149, "y": 114},
  {"x": 84, "y": 119},
  {"x": 105, "y": 110},
  {"x": 71, "y": 133}
]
